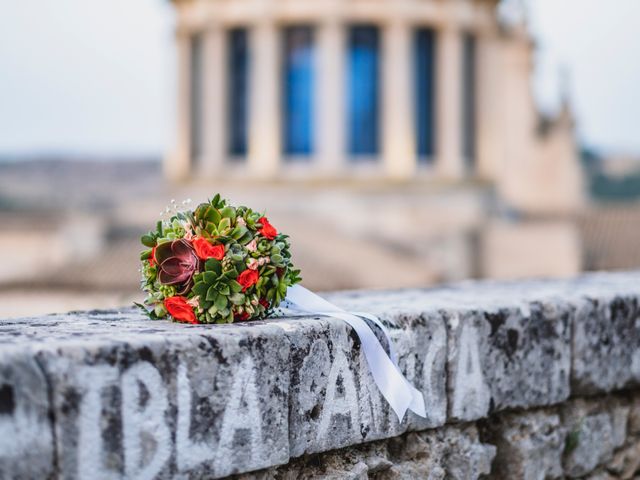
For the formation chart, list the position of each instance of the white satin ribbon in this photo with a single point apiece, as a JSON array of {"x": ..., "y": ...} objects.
[{"x": 395, "y": 388}]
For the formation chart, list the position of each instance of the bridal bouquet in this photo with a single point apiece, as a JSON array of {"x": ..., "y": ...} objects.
[{"x": 215, "y": 264}]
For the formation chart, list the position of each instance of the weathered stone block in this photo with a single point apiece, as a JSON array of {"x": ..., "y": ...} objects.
[
  {"x": 450, "y": 452},
  {"x": 509, "y": 357},
  {"x": 594, "y": 430},
  {"x": 419, "y": 334},
  {"x": 634, "y": 415},
  {"x": 529, "y": 445},
  {"x": 466, "y": 456},
  {"x": 26, "y": 437},
  {"x": 421, "y": 343},
  {"x": 334, "y": 399},
  {"x": 210, "y": 402},
  {"x": 626, "y": 461},
  {"x": 606, "y": 344}
]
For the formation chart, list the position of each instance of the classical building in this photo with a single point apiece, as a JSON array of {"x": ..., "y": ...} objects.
[{"x": 387, "y": 89}]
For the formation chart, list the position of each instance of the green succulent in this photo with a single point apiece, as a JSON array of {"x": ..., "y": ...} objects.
[
  {"x": 215, "y": 219},
  {"x": 217, "y": 291}
]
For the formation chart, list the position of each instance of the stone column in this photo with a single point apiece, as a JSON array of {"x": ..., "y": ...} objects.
[
  {"x": 264, "y": 102},
  {"x": 213, "y": 131},
  {"x": 178, "y": 163},
  {"x": 399, "y": 139},
  {"x": 450, "y": 164},
  {"x": 490, "y": 88},
  {"x": 330, "y": 98}
]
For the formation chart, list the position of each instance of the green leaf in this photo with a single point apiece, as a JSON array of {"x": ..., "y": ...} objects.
[
  {"x": 210, "y": 277},
  {"x": 235, "y": 286},
  {"x": 246, "y": 238},
  {"x": 224, "y": 224},
  {"x": 220, "y": 302},
  {"x": 145, "y": 255},
  {"x": 270, "y": 270},
  {"x": 211, "y": 229},
  {"x": 239, "y": 232},
  {"x": 237, "y": 298},
  {"x": 212, "y": 294},
  {"x": 231, "y": 274},
  {"x": 149, "y": 313},
  {"x": 229, "y": 212},
  {"x": 277, "y": 259},
  {"x": 224, "y": 290},
  {"x": 148, "y": 240},
  {"x": 236, "y": 257},
  {"x": 200, "y": 289},
  {"x": 160, "y": 311},
  {"x": 213, "y": 265},
  {"x": 212, "y": 215}
]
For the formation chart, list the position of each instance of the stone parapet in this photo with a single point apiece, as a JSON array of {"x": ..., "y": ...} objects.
[{"x": 519, "y": 379}]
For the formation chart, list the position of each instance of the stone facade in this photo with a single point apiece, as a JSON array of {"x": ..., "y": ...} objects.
[
  {"x": 535, "y": 379},
  {"x": 485, "y": 121}
]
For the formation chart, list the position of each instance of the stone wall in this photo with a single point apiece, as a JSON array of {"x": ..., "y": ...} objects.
[{"x": 521, "y": 380}]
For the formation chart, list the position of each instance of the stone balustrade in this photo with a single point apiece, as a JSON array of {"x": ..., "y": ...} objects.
[{"x": 530, "y": 379}]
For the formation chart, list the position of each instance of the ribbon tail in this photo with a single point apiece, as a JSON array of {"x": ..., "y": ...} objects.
[
  {"x": 393, "y": 386},
  {"x": 311, "y": 302}
]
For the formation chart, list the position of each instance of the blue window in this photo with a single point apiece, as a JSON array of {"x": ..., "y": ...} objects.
[
  {"x": 195, "y": 97},
  {"x": 238, "y": 91},
  {"x": 424, "y": 85},
  {"x": 298, "y": 76},
  {"x": 469, "y": 99},
  {"x": 363, "y": 89}
]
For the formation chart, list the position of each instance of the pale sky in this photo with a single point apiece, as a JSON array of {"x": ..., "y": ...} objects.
[{"x": 97, "y": 77}]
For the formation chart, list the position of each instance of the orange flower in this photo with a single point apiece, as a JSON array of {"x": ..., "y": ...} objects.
[
  {"x": 205, "y": 250},
  {"x": 248, "y": 278},
  {"x": 152, "y": 258},
  {"x": 268, "y": 231},
  {"x": 180, "y": 310}
]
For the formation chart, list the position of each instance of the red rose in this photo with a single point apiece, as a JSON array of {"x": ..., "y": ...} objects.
[
  {"x": 152, "y": 258},
  {"x": 241, "y": 317},
  {"x": 205, "y": 250},
  {"x": 248, "y": 278},
  {"x": 180, "y": 310},
  {"x": 268, "y": 231}
]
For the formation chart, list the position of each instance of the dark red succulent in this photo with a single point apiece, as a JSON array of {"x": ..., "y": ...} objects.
[{"x": 177, "y": 263}]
